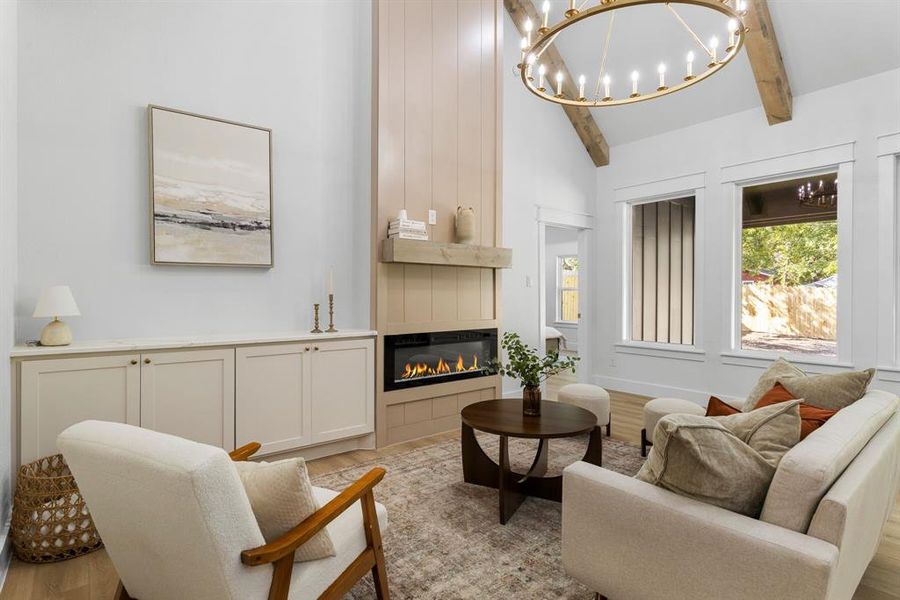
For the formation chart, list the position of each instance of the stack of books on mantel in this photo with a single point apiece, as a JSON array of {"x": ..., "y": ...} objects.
[{"x": 407, "y": 229}]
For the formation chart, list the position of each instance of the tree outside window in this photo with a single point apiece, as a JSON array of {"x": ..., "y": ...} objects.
[{"x": 567, "y": 289}]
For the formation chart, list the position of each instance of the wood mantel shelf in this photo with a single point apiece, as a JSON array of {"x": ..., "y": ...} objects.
[{"x": 421, "y": 252}]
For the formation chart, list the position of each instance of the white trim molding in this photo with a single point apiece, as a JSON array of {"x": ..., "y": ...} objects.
[
  {"x": 660, "y": 189},
  {"x": 558, "y": 217},
  {"x": 888, "y": 249},
  {"x": 785, "y": 166},
  {"x": 670, "y": 188},
  {"x": 837, "y": 157}
]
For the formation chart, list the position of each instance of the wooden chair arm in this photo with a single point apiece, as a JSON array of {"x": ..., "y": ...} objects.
[
  {"x": 244, "y": 452},
  {"x": 311, "y": 525}
]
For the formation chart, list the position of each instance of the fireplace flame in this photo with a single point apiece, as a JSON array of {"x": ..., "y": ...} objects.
[{"x": 412, "y": 371}]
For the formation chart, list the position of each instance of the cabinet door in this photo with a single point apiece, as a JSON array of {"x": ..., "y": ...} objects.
[
  {"x": 190, "y": 394},
  {"x": 57, "y": 393},
  {"x": 272, "y": 397},
  {"x": 342, "y": 389}
]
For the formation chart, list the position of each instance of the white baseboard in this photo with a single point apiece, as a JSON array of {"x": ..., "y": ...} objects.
[
  {"x": 654, "y": 390},
  {"x": 5, "y": 553}
]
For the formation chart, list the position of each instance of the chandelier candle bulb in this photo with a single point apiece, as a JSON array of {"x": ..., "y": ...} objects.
[
  {"x": 545, "y": 8},
  {"x": 661, "y": 69},
  {"x": 542, "y": 71},
  {"x": 732, "y": 31},
  {"x": 524, "y": 46},
  {"x": 713, "y": 46},
  {"x": 572, "y": 10},
  {"x": 634, "y": 81},
  {"x": 606, "y": 82},
  {"x": 690, "y": 67},
  {"x": 581, "y": 81},
  {"x": 559, "y": 80},
  {"x": 528, "y": 27}
]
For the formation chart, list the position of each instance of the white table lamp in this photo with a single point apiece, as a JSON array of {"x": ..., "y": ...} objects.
[{"x": 56, "y": 301}]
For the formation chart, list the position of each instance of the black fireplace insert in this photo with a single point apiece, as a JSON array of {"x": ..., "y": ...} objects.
[{"x": 415, "y": 359}]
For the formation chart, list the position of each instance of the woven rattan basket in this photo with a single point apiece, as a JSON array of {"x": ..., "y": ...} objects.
[{"x": 50, "y": 521}]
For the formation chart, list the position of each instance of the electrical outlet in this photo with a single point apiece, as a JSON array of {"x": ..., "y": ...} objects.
[
  {"x": 432, "y": 217},
  {"x": 528, "y": 281}
]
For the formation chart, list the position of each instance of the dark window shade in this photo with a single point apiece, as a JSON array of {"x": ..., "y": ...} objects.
[{"x": 662, "y": 272}]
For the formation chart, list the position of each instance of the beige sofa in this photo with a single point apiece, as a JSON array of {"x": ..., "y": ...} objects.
[{"x": 819, "y": 528}]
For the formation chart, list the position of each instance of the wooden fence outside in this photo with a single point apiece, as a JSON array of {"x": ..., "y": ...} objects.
[{"x": 790, "y": 310}]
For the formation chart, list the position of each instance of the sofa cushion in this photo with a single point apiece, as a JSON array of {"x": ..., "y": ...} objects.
[
  {"x": 723, "y": 461},
  {"x": 809, "y": 469},
  {"x": 811, "y": 417},
  {"x": 719, "y": 408},
  {"x": 281, "y": 496}
]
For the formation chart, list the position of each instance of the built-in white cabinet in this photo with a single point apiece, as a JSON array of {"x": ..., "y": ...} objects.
[
  {"x": 341, "y": 381},
  {"x": 190, "y": 394},
  {"x": 57, "y": 393},
  {"x": 272, "y": 405},
  {"x": 290, "y": 396},
  {"x": 287, "y": 396}
]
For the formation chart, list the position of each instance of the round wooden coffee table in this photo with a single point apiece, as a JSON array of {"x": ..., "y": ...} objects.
[{"x": 504, "y": 418}]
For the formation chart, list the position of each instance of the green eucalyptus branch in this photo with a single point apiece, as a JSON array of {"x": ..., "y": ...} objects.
[{"x": 525, "y": 363}]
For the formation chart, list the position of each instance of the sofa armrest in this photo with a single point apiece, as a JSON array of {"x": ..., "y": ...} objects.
[{"x": 625, "y": 538}]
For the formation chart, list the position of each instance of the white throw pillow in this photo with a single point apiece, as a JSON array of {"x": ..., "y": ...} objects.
[{"x": 281, "y": 496}]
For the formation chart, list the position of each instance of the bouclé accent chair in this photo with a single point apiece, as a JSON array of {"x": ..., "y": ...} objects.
[{"x": 177, "y": 523}]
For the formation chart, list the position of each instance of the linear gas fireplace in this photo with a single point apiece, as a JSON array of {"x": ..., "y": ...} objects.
[{"x": 415, "y": 359}]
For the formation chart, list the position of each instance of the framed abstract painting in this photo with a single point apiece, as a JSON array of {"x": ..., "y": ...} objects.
[{"x": 210, "y": 191}]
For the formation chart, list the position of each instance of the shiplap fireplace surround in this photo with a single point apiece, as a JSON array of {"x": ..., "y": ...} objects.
[{"x": 437, "y": 146}]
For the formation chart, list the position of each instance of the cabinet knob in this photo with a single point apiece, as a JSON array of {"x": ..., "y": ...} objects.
[
  {"x": 134, "y": 361},
  {"x": 146, "y": 361},
  {"x": 316, "y": 348},
  {"x": 306, "y": 349}
]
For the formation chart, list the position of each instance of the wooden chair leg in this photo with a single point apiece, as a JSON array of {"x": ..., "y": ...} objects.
[
  {"x": 643, "y": 442},
  {"x": 609, "y": 426},
  {"x": 373, "y": 540},
  {"x": 122, "y": 593},
  {"x": 281, "y": 578}
]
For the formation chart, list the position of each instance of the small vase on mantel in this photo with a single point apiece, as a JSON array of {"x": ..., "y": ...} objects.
[
  {"x": 531, "y": 401},
  {"x": 465, "y": 225}
]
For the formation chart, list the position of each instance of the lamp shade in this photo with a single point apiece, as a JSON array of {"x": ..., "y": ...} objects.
[{"x": 56, "y": 301}]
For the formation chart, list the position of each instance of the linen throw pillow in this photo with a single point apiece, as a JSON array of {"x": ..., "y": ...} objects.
[
  {"x": 778, "y": 369},
  {"x": 281, "y": 497},
  {"x": 832, "y": 391},
  {"x": 811, "y": 417},
  {"x": 724, "y": 461}
]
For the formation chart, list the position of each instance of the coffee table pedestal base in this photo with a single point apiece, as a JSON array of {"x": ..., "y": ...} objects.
[{"x": 478, "y": 468}]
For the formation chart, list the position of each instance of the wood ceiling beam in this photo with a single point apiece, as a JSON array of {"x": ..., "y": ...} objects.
[
  {"x": 581, "y": 118},
  {"x": 767, "y": 64}
]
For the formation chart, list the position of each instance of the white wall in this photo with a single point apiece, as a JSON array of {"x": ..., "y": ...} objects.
[
  {"x": 88, "y": 71},
  {"x": 8, "y": 176},
  {"x": 857, "y": 111},
  {"x": 559, "y": 242},
  {"x": 544, "y": 164}
]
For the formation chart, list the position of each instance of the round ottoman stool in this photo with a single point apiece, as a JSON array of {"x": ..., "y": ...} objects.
[
  {"x": 589, "y": 397},
  {"x": 658, "y": 408}
]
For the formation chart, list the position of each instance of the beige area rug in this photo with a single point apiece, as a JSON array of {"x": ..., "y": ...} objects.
[{"x": 444, "y": 539}]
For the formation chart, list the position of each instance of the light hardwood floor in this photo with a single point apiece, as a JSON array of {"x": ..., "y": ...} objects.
[{"x": 93, "y": 577}]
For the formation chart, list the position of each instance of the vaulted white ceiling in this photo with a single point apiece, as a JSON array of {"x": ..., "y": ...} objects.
[{"x": 824, "y": 43}]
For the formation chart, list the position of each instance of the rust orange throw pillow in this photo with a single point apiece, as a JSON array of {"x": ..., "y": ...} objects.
[
  {"x": 717, "y": 408},
  {"x": 811, "y": 417}
]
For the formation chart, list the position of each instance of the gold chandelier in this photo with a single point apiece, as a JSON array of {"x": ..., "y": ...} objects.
[{"x": 538, "y": 81}]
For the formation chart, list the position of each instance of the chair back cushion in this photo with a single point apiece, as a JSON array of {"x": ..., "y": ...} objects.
[
  {"x": 810, "y": 468},
  {"x": 172, "y": 513}
]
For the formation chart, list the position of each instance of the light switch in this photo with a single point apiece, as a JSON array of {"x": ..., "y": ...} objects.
[
  {"x": 528, "y": 281},
  {"x": 432, "y": 217}
]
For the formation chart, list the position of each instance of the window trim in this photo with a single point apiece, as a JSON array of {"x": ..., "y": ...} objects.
[
  {"x": 626, "y": 198},
  {"x": 560, "y": 289},
  {"x": 888, "y": 161},
  {"x": 808, "y": 163}
]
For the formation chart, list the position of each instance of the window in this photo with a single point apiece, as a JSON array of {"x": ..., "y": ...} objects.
[
  {"x": 662, "y": 271},
  {"x": 789, "y": 266},
  {"x": 567, "y": 289}
]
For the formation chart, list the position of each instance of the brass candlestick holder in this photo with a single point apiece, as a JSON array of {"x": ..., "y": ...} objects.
[
  {"x": 315, "y": 328},
  {"x": 331, "y": 328}
]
